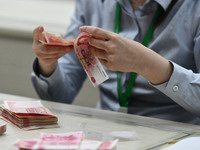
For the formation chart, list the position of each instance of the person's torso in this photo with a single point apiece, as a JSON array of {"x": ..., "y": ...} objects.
[{"x": 172, "y": 39}]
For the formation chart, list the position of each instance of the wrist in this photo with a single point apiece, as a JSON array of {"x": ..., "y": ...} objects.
[
  {"x": 155, "y": 68},
  {"x": 46, "y": 69}
]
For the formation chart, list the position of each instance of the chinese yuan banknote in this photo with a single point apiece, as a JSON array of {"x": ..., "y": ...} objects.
[
  {"x": 56, "y": 39},
  {"x": 90, "y": 145},
  {"x": 64, "y": 141},
  {"x": 27, "y": 107},
  {"x": 109, "y": 145},
  {"x": 25, "y": 144},
  {"x": 90, "y": 63},
  {"x": 2, "y": 128},
  {"x": 28, "y": 114},
  {"x": 60, "y": 141}
]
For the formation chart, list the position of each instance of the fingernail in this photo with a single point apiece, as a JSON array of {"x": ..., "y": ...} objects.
[
  {"x": 41, "y": 28},
  {"x": 82, "y": 28}
]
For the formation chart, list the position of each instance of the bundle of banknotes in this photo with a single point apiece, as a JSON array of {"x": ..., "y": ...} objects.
[
  {"x": 2, "y": 128},
  {"x": 64, "y": 141},
  {"x": 28, "y": 114},
  {"x": 56, "y": 39},
  {"x": 90, "y": 63}
]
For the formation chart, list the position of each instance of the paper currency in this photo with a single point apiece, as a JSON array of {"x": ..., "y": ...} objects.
[
  {"x": 25, "y": 144},
  {"x": 65, "y": 141},
  {"x": 90, "y": 63},
  {"x": 27, "y": 107},
  {"x": 56, "y": 39},
  {"x": 90, "y": 144},
  {"x": 60, "y": 141},
  {"x": 109, "y": 145},
  {"x": 28, "y": 114},
  {"x": 2, "y": 128}
]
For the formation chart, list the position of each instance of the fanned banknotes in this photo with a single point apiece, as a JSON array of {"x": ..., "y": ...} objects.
[
  {"x": 90, "y": 63},
  {"x": 56, "y": 39},
  {"x": 64, "y": 141},
  {"x": 28, "y": 114}
]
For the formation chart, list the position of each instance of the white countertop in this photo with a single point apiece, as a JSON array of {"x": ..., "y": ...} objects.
[
  {"x": 151, "y": 133},
  {"x": 20, "y": 17}
]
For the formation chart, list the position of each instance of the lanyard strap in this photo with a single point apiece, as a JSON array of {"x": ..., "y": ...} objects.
[{"x": 124, "y": 96}]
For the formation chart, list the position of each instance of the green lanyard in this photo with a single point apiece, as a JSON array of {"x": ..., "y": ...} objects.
[{"x": 124, "y": 97}]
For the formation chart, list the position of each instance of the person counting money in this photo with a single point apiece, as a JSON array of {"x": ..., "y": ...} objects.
[{"x": 148, "y": 49}]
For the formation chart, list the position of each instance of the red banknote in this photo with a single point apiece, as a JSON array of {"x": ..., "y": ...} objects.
[
  {"x": 56, "y": 39},
  {"x": 89, "y": 61},
  {"x": 28, "y": 114},
  {"x": 65, "y": 141}
]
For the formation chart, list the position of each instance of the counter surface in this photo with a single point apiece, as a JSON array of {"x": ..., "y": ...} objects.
[{"x": 151, "y": 133}]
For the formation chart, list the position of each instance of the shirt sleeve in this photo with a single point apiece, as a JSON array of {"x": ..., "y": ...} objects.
[
  {"x": 183, "y": 87},
  {"x": 184, "y": 84},
  {"x": 66, "y": 81}
]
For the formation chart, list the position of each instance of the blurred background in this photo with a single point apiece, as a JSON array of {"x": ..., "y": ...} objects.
[{"x": 18, "y": 18}]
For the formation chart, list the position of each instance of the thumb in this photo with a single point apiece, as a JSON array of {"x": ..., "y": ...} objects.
[{"x": 37, "y": 33}]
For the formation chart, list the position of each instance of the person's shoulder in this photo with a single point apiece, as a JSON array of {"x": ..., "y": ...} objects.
[
  {"x": 96, "y": 2},
  {"x": 89, "y": 4},
  {"x": 195, "y": 9},
  {"x": 194, "y": 3},
  {"x": 95, "y": 5}
]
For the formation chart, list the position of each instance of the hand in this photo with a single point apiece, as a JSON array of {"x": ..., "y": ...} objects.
[
  {"x": 47, "y": 55},
  {"x": 120, "y": 54}
]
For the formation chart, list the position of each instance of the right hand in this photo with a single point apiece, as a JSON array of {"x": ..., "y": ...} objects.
[{"x": 47, "y": 55}]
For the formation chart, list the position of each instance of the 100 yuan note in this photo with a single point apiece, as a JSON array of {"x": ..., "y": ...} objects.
[
  {"x": 60, "y": 141},
  {"x": 89, "y": 61},
  {"x": 27, "y": 107},
  {"x": 56, "y": 39},
  {"x": 46, "y": 141}
]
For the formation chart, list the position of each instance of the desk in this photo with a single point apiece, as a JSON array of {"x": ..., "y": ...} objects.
[{"x": 152, "y": 133}]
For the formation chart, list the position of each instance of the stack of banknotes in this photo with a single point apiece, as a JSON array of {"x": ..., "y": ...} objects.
[
  {"x": 2, "y": 128},
  {"x": 28, "y": 114},
  {"x": 64, "y": 141}
]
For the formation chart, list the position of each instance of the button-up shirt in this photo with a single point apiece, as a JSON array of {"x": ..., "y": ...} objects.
[{"x": 176, "y": 38}]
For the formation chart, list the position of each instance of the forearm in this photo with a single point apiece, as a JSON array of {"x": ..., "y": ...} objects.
[
  {"x": 154, "y": 67},
  {"x": 46, "y": 69},
  {"x": 54, "y": 87}
]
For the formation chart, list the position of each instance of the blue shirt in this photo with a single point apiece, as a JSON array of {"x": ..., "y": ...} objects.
[{"x": 177, "y": 39}]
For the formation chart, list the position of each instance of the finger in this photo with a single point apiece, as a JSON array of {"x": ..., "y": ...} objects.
[
  {"x": 47, "y": 49},
  {"x": 104, "y": 62},
  {"x": 98, "y": 43},
  {"x": 50, "y": 56},
  {"x": 37, "y": 33},
  {"x": 101, "y": 54},
  {"x": 98, "y": 32}
]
